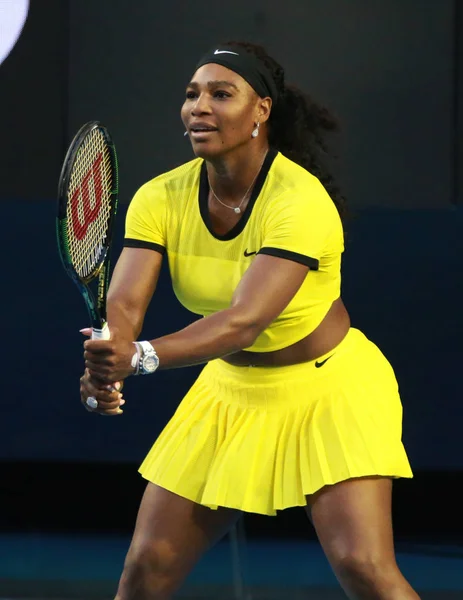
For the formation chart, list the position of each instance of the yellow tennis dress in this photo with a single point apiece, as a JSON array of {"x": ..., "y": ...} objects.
[{"x": 260, "y": 439}]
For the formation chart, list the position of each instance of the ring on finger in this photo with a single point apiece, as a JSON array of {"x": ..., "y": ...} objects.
[{"x": 92, "y": 402}]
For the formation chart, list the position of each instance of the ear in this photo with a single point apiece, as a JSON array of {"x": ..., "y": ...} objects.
[{"x": 264, "y": 107}]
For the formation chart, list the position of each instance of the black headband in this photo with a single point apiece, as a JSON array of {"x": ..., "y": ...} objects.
[{"x": 245, "y": 64}]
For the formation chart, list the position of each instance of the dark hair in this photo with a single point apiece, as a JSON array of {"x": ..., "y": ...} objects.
[{"x": 298, "y": 125}]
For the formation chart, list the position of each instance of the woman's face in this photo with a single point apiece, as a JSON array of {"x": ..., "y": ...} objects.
[{"x": 220, "y": 111}]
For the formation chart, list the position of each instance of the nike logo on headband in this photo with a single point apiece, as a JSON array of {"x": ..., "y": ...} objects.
[{"x": 225, "y": 52}]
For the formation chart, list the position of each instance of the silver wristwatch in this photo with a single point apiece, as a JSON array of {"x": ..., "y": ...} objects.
[{"x": 145, "y": 361}]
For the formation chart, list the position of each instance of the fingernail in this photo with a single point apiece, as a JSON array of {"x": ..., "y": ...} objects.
[
  {"x": 121, "y": 402},
  {"x": 117, "y": 385},
  {"x": 119, "y": 412}
]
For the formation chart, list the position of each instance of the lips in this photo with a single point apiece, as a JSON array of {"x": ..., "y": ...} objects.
[{"x": 202, "y": 128}]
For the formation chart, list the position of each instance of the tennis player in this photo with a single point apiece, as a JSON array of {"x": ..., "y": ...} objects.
[{"x": 294, "y": 407}]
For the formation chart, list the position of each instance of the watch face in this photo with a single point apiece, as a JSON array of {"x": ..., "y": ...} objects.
[{"x": 150, "y": 364}]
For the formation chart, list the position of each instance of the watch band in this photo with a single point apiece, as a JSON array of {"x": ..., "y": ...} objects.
[
  {"x": 146, "y": 347},
  {"x": 135, "y": 362}
]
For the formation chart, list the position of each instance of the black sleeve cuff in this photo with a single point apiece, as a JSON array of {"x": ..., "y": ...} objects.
[
  {"x": 131, "y": 243},
  {"x": 295, "y": 256}
]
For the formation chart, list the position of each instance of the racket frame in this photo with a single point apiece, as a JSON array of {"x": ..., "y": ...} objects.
[{"x": 96, "y": 307}]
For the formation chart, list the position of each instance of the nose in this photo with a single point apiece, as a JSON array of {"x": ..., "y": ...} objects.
[{"x": 201, "y": 106}]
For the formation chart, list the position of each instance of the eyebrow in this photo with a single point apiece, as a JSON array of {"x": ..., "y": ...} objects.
[{"x": 215, "y": 83}]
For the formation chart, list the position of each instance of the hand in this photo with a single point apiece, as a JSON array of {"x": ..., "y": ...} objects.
[
  {"x": 108, "y": 360},
  {"x": 108, "y": 397}
]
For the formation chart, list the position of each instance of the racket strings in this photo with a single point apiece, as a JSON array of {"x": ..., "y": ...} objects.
[{"x": 89, "y": 204}]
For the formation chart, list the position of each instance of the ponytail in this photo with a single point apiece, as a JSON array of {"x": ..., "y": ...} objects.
[{"x": 298, "y": 127}]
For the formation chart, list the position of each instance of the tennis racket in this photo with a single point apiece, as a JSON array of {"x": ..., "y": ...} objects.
[{"x": 87, "y": 205}]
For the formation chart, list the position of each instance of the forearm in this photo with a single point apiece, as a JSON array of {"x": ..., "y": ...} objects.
[
  {"x": 212, "y": 337},
  {"x": 126, "y": 320}
]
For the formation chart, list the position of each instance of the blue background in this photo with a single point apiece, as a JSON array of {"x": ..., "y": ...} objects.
[{"x": 401, "y": 285}]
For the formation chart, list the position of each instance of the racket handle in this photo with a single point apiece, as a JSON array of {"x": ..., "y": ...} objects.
[{"x": 101, "y": 334}]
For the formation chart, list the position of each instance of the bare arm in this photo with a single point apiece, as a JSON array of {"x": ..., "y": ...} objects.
[
  {"x": 132, "y": 286},
  {"x": 263, "y": 293}
]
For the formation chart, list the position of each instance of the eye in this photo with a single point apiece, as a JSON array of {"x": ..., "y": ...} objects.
[
  {"x": 221, "y": 95},
  {"x": 190, "y": 94}
]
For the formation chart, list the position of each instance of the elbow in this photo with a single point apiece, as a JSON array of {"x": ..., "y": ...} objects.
[
  {"x": 248, "y": 338},
  {"x": 245, "y": 329}
]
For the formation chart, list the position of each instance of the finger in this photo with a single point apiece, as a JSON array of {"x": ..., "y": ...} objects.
[
  {"x": 101, "y": 374},
  {"x": 108, "y": 400},
  {"x": 105, "y": 407},
  {"x": 101, "y": 404},
  {"x": 113, "y": 410},
  {"x": 111, "y": 413},
  {"x": 104, "y": 387},
  {"x": 105, "y": 377},
  {"x": 110, "y": 387},
  {"x": 104, "y": 398},
  {"x": 106, "y": 412},
  {"x": 95, "y": 387},
  {"x": 98, "y": 359},
  {"x": 100, "y": 369},
  {"x": 98, "y": 346},
  {"x": 100, "y": 385},
  {"x": 110, "y": 405}
]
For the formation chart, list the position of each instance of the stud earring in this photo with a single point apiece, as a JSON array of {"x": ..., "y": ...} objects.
[{"x": 255, "y": 132}]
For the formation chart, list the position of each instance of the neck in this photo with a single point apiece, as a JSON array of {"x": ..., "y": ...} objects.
[{"x": 231, "y": 176}]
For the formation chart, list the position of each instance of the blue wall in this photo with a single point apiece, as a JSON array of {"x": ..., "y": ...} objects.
[{"x": 402, "y": 285}]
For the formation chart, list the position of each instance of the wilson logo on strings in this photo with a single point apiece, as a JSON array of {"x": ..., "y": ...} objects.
[{"x": 83, "y": 195}]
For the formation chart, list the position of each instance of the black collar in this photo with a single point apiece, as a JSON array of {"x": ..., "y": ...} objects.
[{"x": 204, "y": 193}]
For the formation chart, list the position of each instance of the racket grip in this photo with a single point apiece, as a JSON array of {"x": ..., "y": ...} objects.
[{"x": 101, "y": 334}]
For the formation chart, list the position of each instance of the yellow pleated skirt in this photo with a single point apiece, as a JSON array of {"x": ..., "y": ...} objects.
[{"x": 260, "y": 439}]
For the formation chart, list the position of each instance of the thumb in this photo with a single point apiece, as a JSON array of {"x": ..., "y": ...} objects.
[{"x": 86, "y": 331}]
